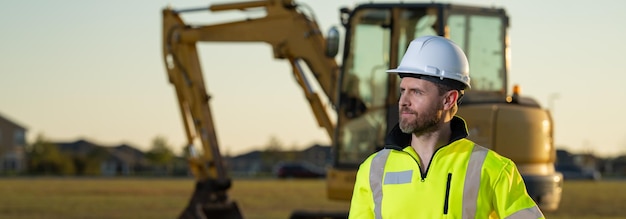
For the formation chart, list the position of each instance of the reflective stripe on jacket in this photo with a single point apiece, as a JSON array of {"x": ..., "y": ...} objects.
[{"x": 463, "y": 180}]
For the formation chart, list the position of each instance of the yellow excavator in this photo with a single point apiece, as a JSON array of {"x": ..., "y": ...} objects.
[{"x": 363, "y": 97}]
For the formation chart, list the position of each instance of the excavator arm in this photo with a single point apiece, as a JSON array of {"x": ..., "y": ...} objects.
[{"x": 293, "y": 36}]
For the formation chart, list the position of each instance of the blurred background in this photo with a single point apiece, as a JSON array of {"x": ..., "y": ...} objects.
[{"x": 83, "y": 91}]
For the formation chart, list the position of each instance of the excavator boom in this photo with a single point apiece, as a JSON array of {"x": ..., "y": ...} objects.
[{"x": 298, "y": 39}]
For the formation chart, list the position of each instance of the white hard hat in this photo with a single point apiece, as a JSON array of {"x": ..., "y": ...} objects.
[{"x": 437, "y": 57}]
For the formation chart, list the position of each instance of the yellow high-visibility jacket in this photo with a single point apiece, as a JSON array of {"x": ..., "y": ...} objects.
[{"x": 463, "y": 180}]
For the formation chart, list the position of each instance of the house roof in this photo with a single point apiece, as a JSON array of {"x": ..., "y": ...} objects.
[
  {"x": 121, "y": 152},
  {"x": 128, "y": 154},
  {"x": 251, "y": 154},
  {"x": 257, "y": 153},
  {"x": 317, "y": 147},
  {"x": 81, "y": 146},
  {"x": 13, "y": 123}
]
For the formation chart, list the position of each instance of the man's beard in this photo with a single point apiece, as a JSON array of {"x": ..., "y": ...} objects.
[{"x": 426, "y": 122}]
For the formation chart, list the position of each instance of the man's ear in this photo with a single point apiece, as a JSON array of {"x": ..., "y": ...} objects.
[{"x": 451, "y": 98}]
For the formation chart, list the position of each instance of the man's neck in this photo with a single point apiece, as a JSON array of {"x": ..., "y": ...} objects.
[{"x": 426, "y": 144}]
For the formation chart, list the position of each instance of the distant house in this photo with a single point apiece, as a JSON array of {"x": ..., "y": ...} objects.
[
  {"x": 127, "y": 160},
  {"x": 248, "y": 164},
  {"x": 12, "y": 144},
  {"x": 585, "y": 160},
  {"x": 92, "y": 159},
  {"x": 564, "y": 157},
  {"x": 257, "y": 162},
  {"x": 318, "y": 155},
  {"x": 617, "y": 166}
]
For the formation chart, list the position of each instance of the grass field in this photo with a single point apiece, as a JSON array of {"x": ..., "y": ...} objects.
[{"x": 52, "y": 198}]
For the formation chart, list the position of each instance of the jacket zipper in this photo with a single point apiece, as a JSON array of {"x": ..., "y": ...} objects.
[
  {"x": 423, "y": 175},
  {"x": 445, "y": 203},
  {"x": 419, "y": 167},
  {"x": 448, "y": 181}
]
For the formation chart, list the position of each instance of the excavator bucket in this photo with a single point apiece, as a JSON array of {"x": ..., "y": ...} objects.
[
  {"x": 209, "y": 202},
  {"x": 229, "y": 211}
]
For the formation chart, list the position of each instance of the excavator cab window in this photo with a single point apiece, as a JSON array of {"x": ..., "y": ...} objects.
[
  {"x": 369, "y": 42},
  {"x": 364, "y": 85},
  {"x": 482, "y": 39}
]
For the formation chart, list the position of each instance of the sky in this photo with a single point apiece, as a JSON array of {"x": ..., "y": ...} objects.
[{"x": 93, "y": 70}]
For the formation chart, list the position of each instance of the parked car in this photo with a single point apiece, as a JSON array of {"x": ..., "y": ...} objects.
[
  {"x": 298, "y": 169},
  {"x": 575, "y": 172}
]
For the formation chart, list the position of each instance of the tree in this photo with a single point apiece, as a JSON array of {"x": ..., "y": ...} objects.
[
  {"x": 90, "y": 163},
  {"x": 274, "y": 145},
  {"x": 272, "y": 154},
  {"x": 623, "y": 152},
  {"x": 44, "y": 158},
  {"x": 160, "y": 155}
]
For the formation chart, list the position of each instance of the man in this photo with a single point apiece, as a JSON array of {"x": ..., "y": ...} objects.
[{"x": 428, "y": 169}]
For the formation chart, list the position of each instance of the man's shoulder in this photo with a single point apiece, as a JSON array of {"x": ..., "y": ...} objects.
[
  {"x": 495, "y": 161},
  {"x": 497, "y": 156},
  {"x": 369, "y": 158},
  {"x": 491, "y": 154},
  {"x": 382, "y": 152}
]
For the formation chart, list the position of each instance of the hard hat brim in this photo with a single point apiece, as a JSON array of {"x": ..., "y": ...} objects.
[{"x": 451, "y": 83}]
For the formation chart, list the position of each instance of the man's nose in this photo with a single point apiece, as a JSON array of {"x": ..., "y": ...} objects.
[{"x": 402, "y": 101}]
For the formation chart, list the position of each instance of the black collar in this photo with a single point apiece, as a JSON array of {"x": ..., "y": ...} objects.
[{"x": 398, "y": 140}]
